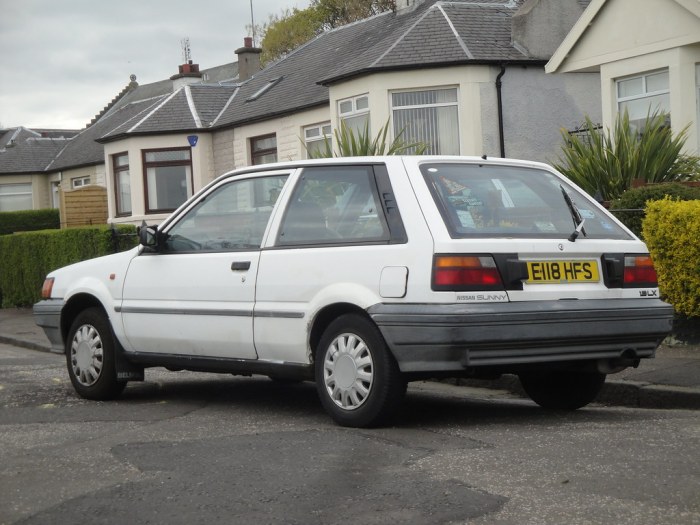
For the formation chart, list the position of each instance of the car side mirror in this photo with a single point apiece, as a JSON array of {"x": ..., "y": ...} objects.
[{"x": 148, "y": 237}]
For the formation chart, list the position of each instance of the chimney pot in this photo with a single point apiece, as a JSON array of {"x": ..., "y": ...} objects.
[{"x": 248, "y": 41}]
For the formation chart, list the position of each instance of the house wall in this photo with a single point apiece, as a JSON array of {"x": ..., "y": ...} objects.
[
  {"x": 681, "y": 64},
  {"x": 202, "y": 170},
  {"x": 222, "y": 149},
  {"x": 289, "y": 132},
  {"x": 468, "y": 80},
  {"x": 632, "y": 37},
  {"x": 536, "y": 106}
]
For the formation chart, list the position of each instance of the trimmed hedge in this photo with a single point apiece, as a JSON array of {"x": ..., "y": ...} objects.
[
  {"x": 29, "y": 220},
  {"x": 28, "y": 257},
  {"x": 637, "y": 198},
  {"x": 672, "y": 233}
]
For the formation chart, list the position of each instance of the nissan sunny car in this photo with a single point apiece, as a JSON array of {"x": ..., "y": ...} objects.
[{"x": 363, "y": 274}]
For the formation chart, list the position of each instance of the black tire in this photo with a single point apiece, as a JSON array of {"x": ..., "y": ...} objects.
[
  {"x": 357, "y": 378},
  {"x": 563, "y": 390},
  {"x": 90, "y": 356}
]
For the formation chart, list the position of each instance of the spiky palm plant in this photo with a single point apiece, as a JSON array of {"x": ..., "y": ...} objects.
[
  {"x": 350, "y": 143},
  {"x": 606, "y": 164}
]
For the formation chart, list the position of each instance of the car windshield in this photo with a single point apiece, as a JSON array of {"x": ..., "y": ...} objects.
[{"x": 481, "y": 200}]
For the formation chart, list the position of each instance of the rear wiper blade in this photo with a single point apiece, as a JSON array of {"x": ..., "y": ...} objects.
[{"x": 575, "y": 215}]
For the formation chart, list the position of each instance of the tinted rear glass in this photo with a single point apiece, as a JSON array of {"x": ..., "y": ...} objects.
[{"x": 507, "y": 201}]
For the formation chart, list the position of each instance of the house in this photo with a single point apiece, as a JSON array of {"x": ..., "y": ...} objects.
[
  {"x": 24, "y": 156},
  {"x": 466, "y": 77},
  {"x": 648, "y": 57}
]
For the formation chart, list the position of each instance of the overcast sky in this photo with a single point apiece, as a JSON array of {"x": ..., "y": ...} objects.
[{"x": 62, "y": 61}]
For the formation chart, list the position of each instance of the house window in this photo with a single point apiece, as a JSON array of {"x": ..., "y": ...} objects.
[
  {"x": 122, "y": 183},
  {"x": 643, "y": 95},
  {"x": 79, "y": 182},
  {"x": 168, "y": 178},
  {"x": 16, "y": 197},
  {"x": 263, "y": 149},
  {"x": 697, "y": 100},
  {"x": 316, "y": 138},
  {"x": 354, "y": 112},
  {"x": 429, "y": 116}
]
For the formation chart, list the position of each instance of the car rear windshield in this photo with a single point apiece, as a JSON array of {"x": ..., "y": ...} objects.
[{"x": 510, "y": 201}]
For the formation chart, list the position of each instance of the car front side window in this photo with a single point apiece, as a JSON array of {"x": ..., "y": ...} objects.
[{"x": 232, "y": 217}]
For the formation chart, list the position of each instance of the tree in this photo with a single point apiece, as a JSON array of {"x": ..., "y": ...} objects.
[
  {"x": 283, "y": 33},
  {"x": 605, "y": 164},
  {"x": 336, "y": 13}
]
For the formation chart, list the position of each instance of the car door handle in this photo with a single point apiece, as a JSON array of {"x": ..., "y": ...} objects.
[{"x": 238, "y": 266}]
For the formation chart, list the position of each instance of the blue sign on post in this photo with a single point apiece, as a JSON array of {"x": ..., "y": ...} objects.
[{"x": 192, "y": 139}]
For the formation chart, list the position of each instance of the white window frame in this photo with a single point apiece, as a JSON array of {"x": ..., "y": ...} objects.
[
  {"x": 17, "y": 193},
  {"x": 79, "y": 182},
  {"x": 406, "y": 137},
  {"x": 355, "y": 112},
  {"x": 315, "y": 136},
  {"x": 645, "y": 94}
]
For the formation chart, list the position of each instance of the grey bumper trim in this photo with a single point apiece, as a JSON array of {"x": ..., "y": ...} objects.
[
  {"x": 455, "y": 337},
  {"x": 47, "y": 315}
]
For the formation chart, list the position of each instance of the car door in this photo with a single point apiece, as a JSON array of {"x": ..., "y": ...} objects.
[{"x": 194, "y": 296}]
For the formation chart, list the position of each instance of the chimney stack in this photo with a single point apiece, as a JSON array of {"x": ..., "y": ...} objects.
[
  {"x": 188, "y": 73},
  {"x": 248, "y": 59}
]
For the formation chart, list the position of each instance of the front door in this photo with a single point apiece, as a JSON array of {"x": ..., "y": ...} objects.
[{"x": 195, "y": 296}]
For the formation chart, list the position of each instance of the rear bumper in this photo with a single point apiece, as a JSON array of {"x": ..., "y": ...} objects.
[
  {"x": 455, "y": 337},
  {"x": 47, "y": 315}
]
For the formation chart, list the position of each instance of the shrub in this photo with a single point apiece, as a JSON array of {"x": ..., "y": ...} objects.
[
  {"x": 28, "y": 257},
  {"x": 605, "y": 164},
  {"x": 671, "y": 233},
  {"x": 29, "y": 220},
  {"x": 637, "y": 199}
]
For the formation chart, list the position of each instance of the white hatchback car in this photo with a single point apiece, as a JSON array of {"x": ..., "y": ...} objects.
[{"x": 366, "y": 273}]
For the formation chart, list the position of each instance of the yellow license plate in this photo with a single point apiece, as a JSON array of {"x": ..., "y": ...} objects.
[{"x": 561, "y": 272}]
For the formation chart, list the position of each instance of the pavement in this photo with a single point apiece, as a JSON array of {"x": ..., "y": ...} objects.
[{"x": 670, "y": 380}]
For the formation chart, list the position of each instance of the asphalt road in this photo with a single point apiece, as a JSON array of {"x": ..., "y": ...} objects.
[{"x": 205, "y": 448}]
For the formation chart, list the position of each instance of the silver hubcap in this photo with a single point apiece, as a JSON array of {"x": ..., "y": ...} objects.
[
  {"x": 86, "y": 355},
  {"x": 348, "y": 371}
]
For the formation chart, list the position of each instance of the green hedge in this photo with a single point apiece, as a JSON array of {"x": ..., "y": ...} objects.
[
  {"x": 637, "y": 198},
  {"x": 29, "y": 220},
  {"x": 28, "y": 257},
  {"x": 671, "y": 231}
]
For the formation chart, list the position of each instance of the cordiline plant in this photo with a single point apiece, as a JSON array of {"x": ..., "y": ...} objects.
[
  {"x": 351, "y": 143},
  {"x": 607, "y": 162}
]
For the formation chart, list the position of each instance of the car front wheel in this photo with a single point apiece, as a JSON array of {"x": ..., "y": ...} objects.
[
  {"x": 565, "y": 390},
  {"x": 90, "y": 356},
  {"x": 357, "y": 378}
]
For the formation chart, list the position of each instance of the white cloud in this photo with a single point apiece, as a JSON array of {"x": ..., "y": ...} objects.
[{"x": 62, "y": 61}]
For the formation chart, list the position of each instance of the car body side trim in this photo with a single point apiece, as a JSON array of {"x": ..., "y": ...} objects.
[{"x": 182, "y": 311}]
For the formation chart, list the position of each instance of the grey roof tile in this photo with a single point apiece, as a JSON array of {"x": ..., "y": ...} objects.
[{"x": 23, "y": 150}]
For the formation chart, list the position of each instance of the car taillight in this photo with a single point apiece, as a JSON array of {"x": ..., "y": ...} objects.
[
  {"x": 46, "y": 288},
  {"x": 639, "y": 271},
  {"x": 460, "y": 273}
]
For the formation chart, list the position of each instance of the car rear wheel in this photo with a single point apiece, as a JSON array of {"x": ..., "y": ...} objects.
[
  {"x": 357, "y": 378},
  {"x": 90, "y": 356},
  {"x": 563, "y": 390}
]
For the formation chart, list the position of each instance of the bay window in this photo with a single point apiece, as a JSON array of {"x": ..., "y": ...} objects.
[
  {"x": 429, "y": 116},
  {"x": 16, "y": 197},
  {"x": 122, "y": 183},
  {"x": 168, "y": 178}
]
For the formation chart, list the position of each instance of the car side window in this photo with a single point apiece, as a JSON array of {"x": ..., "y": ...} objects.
[
  {"x": 334, "y": 205},
  {"x": 232, "y": 217}
]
